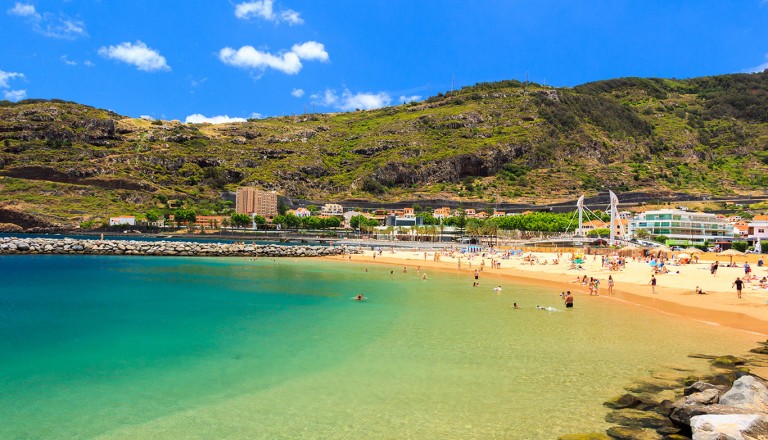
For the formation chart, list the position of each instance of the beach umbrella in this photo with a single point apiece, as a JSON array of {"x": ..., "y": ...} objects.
[
  {"x": 657, "y": 251},
  {"x": 628, "y": 250},
  {"x": 692, "y": 250},
  {"x": 684, "y": 257},
  {"x": 730, "y": 253}
]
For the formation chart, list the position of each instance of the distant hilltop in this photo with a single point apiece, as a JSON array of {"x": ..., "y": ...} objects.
[{"x": 507, "y": 142}]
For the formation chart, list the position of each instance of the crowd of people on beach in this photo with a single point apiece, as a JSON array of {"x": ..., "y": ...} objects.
[{"x": 478, "y": 261}]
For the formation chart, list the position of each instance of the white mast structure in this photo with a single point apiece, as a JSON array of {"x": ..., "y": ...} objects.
[
  {"x": 580, "y": 206},
  {"x": 615, "y": 220}
]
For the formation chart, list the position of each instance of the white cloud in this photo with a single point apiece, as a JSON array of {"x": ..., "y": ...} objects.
[
  {"x": 264, "y": 9},
  {"x": 297, "y": 93},
  {"x": 255, "y": 115},
  {"x": 15, "y": 95},
  {"x": 364, "y": 101},
  {"x": 23, "y": 10},
  {"x": 67, "y": 61},
  {"x": 139, "y": 55},
  {"x": 197, "y": 118},
  {"x": 351, "y": 101},
  {"x": 327, "y": 98},
  {"x": 311, "y": 50},
  {"x": 291, "y": 17},
  {"x": 248, "y": 57},
  {"x": 88, "y": 63},
  {"x": 761, "y": 67},
  {"x": 48, "y": 24},
  {"x": 412, "y": 98},
  {"x": 6, "y": 77}
]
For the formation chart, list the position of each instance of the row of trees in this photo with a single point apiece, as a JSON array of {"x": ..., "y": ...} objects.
[{"x": 536, "y": 221}]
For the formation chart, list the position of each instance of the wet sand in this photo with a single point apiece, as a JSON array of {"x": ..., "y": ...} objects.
[{"x": 674, "y": 291}]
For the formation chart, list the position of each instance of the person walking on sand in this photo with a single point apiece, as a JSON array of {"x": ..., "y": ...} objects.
[
  {"x": 713, "y": 268},
  {"x": 653, "y": 283},
  {"x": 739, "y": 284},
  {"x": 610, "y": 285}
]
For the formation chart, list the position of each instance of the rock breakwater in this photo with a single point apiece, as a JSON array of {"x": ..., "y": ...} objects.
[{"x": 66, "y": 246}]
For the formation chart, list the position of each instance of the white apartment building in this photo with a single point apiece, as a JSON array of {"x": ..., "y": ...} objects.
[
  {"x": 676, "y": 224},
  {"x": 332, "y": 209}
]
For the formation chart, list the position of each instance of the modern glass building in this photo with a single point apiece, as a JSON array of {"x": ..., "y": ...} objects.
[{"x": 683, "y": 226}]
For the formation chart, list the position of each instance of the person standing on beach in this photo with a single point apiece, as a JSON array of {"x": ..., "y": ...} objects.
[
  {"x": 739, "y": 284},
  {"x": 610, "y": 285},
  {"x": 713, "y": 268},
  {"x": 653, "y": 283}
]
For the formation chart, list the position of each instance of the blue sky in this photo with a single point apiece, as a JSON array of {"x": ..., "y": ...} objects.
[{"x": 200, "y": 60}]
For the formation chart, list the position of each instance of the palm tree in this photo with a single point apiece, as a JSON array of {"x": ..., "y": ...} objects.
[{"x": 490, "y": 229}]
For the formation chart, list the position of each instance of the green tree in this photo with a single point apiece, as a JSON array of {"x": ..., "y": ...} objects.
[
  {"x": 356, "y": 221},
  {"x": 599, "y": 232},
  {"x": 740, "y": 246},
  {"x": 184, "y": 216},
  {"x": 312, "y": 222},
  {"x": 240, "y": 220},
  {"x": 312, "y": 208},
  {"x": 259, "y": 220},
  {"x": 427, "y": 218},
  {"x": 332, "y": 222},
  {"x": 282, "y": 208},
  {"x": 642, "y": 234},
  {"x": 152, "y": 216}
]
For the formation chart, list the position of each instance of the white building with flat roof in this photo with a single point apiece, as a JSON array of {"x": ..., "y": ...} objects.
[
  {"x": 122, "y": 220},
  {"x": 757, "y": 229},
  {"x": 331, "y": 209},
  {"x": 683, "y": 226}
]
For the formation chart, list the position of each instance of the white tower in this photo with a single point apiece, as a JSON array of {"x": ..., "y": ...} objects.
[
  {"x": 615, "y": 220},
  {"x": 580, "y": 206}
]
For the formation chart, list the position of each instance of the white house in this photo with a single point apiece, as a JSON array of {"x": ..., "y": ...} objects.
[
  {"x": 757, "y": 229},
  {"x": 122, "y": 220},
  {"x": 302, "y": 213}
]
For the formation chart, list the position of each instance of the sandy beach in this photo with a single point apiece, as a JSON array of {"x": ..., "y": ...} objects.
[{"x": 674, "y": 293}]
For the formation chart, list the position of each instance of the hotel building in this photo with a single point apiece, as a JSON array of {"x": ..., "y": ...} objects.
[{"x": 681, "y": 226}]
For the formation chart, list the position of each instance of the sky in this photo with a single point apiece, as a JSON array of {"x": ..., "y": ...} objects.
[{"x": 219, "y": 60}]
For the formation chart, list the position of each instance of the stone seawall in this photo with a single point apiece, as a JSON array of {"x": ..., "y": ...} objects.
[{"x": 65, "y": 246}]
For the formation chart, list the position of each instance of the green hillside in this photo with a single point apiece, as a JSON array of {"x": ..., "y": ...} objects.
[{"x": 64, "y": 162}]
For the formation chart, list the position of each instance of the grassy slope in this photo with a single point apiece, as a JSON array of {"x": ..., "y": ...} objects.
[{"x": 500, "y": 141}]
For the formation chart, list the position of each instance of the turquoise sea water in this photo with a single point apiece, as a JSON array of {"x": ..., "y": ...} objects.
[{"x": 166, "y": 348}]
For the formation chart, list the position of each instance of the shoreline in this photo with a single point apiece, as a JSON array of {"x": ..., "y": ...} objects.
[{"x": 719, "y": 306}]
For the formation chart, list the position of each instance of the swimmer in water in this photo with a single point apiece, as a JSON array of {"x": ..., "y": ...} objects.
[
  {"x": 515, "y": 306},
  {"x": 497, "y": 289},
  {"x": 359, "y": 297}
]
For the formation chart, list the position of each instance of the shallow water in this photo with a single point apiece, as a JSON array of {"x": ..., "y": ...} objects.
[{"x": 127, "y": 347}]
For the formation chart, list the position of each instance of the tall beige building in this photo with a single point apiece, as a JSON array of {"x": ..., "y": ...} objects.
[{"x": 254, "y": 201}]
